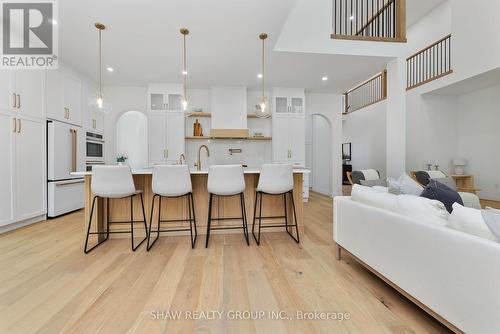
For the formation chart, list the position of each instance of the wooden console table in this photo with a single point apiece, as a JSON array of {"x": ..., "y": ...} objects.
[{"x": 465, "y": 183}]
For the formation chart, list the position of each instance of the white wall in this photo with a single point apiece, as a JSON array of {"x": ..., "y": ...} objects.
[
  {"x": 321, "y": 156},
  {"x": 329, "y": 106},
  {"x": 365, "y": 129},
  {"x": 132, "y": 138},
  {"x": 122, "y": 99},
  {"x": 431, "y": 131},
  {"x": 479, "y": 138}
]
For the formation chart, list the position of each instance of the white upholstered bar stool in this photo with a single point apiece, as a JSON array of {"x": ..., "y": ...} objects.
[
  {"x": 172, "y": 181},
  {"x": 226, "y": 180},
  {"x": 275, "y": 180},
  {"x": 114, "y": 182}
]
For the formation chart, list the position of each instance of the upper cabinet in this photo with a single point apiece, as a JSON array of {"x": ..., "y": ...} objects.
[
  {"x": 166, "y": 123},
  {"x": 92, "y": 117},
  {"x": 22, "y": 92},
  {"x": 165, "y": 101},
  {"x": 64, "y": 97},
  {"x": 289, "y": 126}
]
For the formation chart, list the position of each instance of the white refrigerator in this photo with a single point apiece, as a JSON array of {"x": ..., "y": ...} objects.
[{"x": 65, "y": 154}]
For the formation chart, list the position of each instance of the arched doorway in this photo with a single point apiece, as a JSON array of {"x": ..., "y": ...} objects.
[{"x": 132, "y": 138}]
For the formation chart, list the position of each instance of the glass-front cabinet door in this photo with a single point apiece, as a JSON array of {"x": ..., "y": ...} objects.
[
  {"x": 157, "y": 101},
  {"x": 297, "y": 105},
  {"x": 174, "y": 102},
  {"x": 281, "y": 105}
]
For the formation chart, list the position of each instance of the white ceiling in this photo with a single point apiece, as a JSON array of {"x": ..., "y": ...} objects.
[{"x": 143, "y": 44}]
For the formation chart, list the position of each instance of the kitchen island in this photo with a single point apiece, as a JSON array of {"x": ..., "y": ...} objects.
[{"x": 177, "y": 208}]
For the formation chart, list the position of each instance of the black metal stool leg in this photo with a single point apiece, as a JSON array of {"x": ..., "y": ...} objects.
[
  {"x": 188, "y": 197},
  {"x": 85, "y": 250},
  {"x": 244, "y": 218},
  {"x": 254, "y": 213},
  {"x": 295, "y": 220},
  {"x": 144, "y": 221},
  {"x": 286, "y": 211},
  {"x": 209, "y": 220},
  {"x": 148, "y": 247},
  {"x": 194, "y": 217},
  {"x": 260, "y": 215}
]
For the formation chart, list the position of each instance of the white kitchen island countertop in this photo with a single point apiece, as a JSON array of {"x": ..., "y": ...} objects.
[{"x": 148, "y": 171}]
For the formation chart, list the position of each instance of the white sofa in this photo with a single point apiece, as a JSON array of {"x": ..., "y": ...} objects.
[{"x": 452, "y": 275}]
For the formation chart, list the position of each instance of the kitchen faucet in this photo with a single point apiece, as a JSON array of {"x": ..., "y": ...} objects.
[
  {"x": 198, "y": 163},
  {"x": 182, "y": 159}
]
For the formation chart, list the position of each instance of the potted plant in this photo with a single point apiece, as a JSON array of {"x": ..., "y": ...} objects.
[{"x": 121, "y": 159}]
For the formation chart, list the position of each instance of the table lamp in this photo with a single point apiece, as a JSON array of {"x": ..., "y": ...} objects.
[{"x": 459, "y": 164}]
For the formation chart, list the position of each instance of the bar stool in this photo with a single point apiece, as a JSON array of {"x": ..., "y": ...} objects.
[
  {"x": 275, "y": 180},
  {"x": 114, "y": 182},
  {"x": 172, "y": 181},
  {"x": 226, "y": 180}
]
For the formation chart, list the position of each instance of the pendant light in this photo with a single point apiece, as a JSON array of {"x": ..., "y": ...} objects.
[
  {"x": 99, "y": 98},
  {"x": 262, "y": 109},
  {"x": 184, "y": 101}
]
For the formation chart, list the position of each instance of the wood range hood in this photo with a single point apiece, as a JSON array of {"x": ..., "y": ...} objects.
[{"x": 229, "y": 112}]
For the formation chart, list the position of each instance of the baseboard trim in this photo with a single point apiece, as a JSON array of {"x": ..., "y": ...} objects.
[{"x": 17, "y": 225}]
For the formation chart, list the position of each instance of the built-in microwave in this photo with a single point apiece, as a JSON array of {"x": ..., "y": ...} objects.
[{"x": 94, "y": 146}]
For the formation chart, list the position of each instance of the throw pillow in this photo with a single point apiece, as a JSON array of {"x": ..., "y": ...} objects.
[
  {"x": 448, "y": 181},
  {"x": 423, "y": 209},
  {"x": 357, "y": 176},
  {"x": 372, "y": 197},
  {"x": 422, "y": 177},
  {"x": 372, "y": 183},
  {"x": 404, "y": 185},
  {"x": 470, "y": 221},
  {"x": 444, "y": 194},
  {"x": 492, "y": 219}
]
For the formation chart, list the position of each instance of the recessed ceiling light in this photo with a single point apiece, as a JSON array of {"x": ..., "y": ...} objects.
[
  {"x": 324, "y": 78},
  {"x": 110, "y": 69},
  {"x": 259, "y": 75},
  {"x": 351, "y": 17},
  {"x": 184, "y": 72}
]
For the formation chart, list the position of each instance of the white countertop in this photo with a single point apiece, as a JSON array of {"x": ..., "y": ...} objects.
[{"x": 147, "y": 171}]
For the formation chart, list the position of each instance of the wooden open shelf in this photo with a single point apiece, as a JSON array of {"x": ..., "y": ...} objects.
[{"x": 209, "y": 137}]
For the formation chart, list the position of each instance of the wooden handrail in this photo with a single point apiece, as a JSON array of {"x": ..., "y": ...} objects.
[
  {"x": 365, "y": 82},
  {"x": 377, "y": 14},
  {"x": 429, "y": 47}
]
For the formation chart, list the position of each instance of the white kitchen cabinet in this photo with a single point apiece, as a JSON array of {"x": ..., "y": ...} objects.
[
  {"x": 30, "y": 169},
  {"x": 7, "y": 169},
  {"x": 166, "y": 137},
  {"x": 92, "y": 117},
  {"x": 64, "y": 97},
  {"x": 157, "y": 138},
  {"x": 289, "y": 126},
  {"x": 22, "y": 169},
  {"x": 165, "y": 101},
  {"x": 29, "y": 89},
  {"x": 22, "y": 92},
  {"x": 175, "y": 136}
]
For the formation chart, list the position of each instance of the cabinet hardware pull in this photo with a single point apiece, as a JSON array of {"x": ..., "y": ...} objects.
[
  {"x": 18, "y": 126},
  {"x": 73, "y": 149},
  {"x": 14, "y": 100},
  {"x": 167, "y": 152},
  {"x": 18, "y": 101},
  {"x": 15, "y": 125}
]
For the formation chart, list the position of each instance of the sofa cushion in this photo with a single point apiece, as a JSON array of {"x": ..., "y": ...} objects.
[
  {"x": 372, "y": 183},
  {"x": 404, "y": 185},
  {"x": 492, "y": 219},
  {"x": 470, "y": 221},
  {"x": 414, "y": 207},
  {"x": 372, "y": 197},
  {"x": 423, "y": 209},
  {"x": 446, "y": 195}
]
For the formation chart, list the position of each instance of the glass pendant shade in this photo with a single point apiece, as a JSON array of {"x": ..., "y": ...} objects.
[{"x": 262, "y": 109}]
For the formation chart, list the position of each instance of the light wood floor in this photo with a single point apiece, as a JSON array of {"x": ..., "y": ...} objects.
[{"x": 47, "y": 284}]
